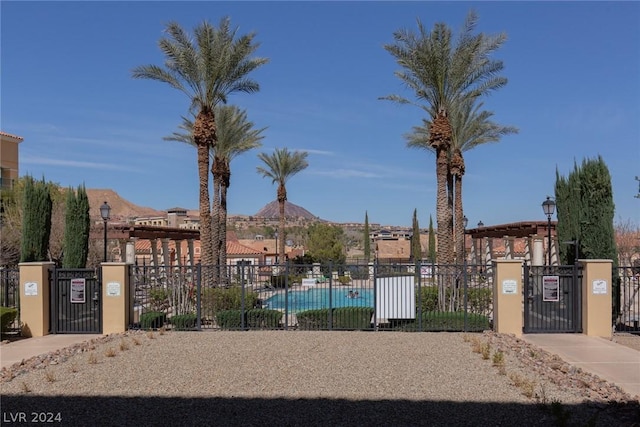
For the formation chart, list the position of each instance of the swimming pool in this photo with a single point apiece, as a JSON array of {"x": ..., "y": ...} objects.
[{"x": 314, "y": 298}]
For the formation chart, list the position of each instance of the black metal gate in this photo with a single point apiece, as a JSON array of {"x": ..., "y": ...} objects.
[
  {"x": 76, "y": 303},
  {"x": 552, "y": 299}
]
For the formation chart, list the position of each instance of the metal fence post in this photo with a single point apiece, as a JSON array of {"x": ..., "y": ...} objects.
[
  {"x": 418, "y": 274},
  {"x": 199, "y": 297},
  {"x": 242, "y": 297},
  {"x": 465, "y": 290}
]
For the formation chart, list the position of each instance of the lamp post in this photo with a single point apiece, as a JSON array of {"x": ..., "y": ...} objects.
[
  {"x": 549, "y": 207},
  {"x": 105, "y": 211},
  {"x": 480, "y": 224}
]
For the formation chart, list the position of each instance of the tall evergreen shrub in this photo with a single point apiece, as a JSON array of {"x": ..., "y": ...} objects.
[
  {"x": 36, "y": 221},
  {"x": 76, "y": 231}
]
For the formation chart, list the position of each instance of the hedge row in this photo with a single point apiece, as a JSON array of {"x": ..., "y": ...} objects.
[
  {"x": 341, "y": 318},
  {"x": 438, "y": 321},
  {"x": 479, "y": 300},
  {"x": 257, "y": 318}
]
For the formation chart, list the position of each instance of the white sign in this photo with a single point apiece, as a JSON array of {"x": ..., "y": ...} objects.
[
  {"x": 113, "y": 289},
  {"x": 509, "y": 287},
  {"x": 30, "y": 289},
  {"x": 599, "y": 287},
  {"x": 425, "y": 271},
  {"x": 78, "y": 291},
  {"x": 551, "y": 288},
  {"x": 308, "y": 282}
]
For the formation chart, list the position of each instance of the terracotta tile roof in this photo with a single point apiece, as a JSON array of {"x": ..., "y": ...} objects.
[
  {"x": 11, "y": 135},
  {"x": 235, "y": 248}
]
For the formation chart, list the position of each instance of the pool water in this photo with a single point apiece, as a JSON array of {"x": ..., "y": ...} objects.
[{"x": 313, "y": 298}]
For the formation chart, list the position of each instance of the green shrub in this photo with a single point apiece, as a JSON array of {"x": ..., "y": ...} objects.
[
  {"x": 7, "y": 317},
  {"x": 229, "y": 319},
  {"x": 159, "y": 299},
  {"x": 437, "y": 321},
  {"x": 312, "y": 320},
  {"x": 184, "y": 321},
  {"x": 352, "y": 317},
  {"x": 427, "y": 298},
  {"x": 215, "y": 300},
  {"x": 152, "y": 320},
  {"x": 262, "y": 318},
  {"x": 479, "y": 300}
]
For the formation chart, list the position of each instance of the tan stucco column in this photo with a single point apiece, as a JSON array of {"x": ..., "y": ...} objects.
[
  {"x": 596, "y": 297},
  {"x": 35, "y": 298},
  {"x": 117, "y": 302},
  {"x": 507, "y": 297}
]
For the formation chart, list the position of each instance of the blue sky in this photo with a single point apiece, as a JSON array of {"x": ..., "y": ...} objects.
[{"x": 573, "y": 91}]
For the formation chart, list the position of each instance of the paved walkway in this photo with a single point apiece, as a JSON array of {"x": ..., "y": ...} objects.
[
  {"x": 29, "y": 347},
  {"x": 612, "y": 362}
]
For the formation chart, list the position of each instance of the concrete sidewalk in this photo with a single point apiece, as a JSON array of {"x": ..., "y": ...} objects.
[
  {"x": 27, "y": 348},
  {"x": 612, "y": 362}
]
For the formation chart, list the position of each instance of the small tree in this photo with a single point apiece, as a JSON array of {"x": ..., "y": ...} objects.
[
  {"x": 367, "y": 238},
  {"x": 77, "y": 225},
  {"x": 36, "y": 221},
  {"x": 431, "y": 254},
  {"x": 416, "y": 248},
  {"x": 326, "y": 243}
]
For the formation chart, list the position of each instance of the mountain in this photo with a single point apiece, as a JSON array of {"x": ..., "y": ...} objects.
[
  {"x": 272, "y": 210},
  {"x": 121, "y": 209}
]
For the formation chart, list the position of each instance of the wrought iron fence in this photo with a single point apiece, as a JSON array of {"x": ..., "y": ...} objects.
[
  {"x": 628, "y": 307},
  {"x": 411, "y": 297},
  {"x": 10, "y": 292}
]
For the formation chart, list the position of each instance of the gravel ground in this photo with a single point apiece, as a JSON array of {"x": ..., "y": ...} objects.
[{"x": 309, "y": 378}]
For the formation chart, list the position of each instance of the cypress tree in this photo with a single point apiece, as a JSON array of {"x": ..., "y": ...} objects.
[
  {"x": 76, "y": 232},
  {"x": 431, "y": 255},
  {"x": 36, "y": 222},
  {"x": 416, "y": 249},
  {"x": 367, "y": 238}
]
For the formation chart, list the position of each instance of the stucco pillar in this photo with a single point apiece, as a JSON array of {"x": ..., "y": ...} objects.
[
  {"x": 508, "y": 247},
  {"x": 178, "y": 244},
  {"x": 166, "y": 255},
  {"x": 596, "y": 297},
  {"x": 488, "y": 254},
  {"x": 507, "y": 297},
  {"x": 191, "y": 252},
  {"x": 35, "y": 298},
  {"x": 117, "y": 302},
  {"x": 130, "y": 255},
  {"x": 154, "y": 253},
  {"x": 538, "y": 250}
]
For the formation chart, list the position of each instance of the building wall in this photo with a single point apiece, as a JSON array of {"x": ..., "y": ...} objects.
[{"x": 9, "y": 159}]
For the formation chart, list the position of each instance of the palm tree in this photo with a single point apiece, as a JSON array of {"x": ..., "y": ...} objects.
[
  {"x": 280, "y": 166},
  {"x": 470, "y": 128},
  {"x": 207, "y": 69},
  {"x": 235, "y": 136},
  {"x": 444, "y": 76}
]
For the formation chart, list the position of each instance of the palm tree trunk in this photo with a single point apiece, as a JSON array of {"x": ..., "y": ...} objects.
[
  {"x": 457, "y": 170},
  {"x": 282, "y": 198},
  {"x": 215, "y": 219},
  {"x": 204, "y": 138},
  {"x": 222, "y": 223}
]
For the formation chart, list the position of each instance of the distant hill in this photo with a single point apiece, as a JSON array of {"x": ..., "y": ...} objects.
[
  {"x": 121, "y": 209},
  {"x": 272, "y": 210}
]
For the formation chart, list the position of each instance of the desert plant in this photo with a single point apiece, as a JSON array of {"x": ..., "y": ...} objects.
[
  {"x": 49, "y": 375},
  {"x": 93, "y": 358},
  {"x": 111, "y": 352},
  {"x": 215, "y": 300}
]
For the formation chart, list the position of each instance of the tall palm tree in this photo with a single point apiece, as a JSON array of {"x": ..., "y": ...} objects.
[
  {"x": 207, "y": 68},
  {"x": 280, "y": 166},
  {"x": 443, "y": 75},
  {"x": 236, "y": 135},
  {"x": 471, "y": 127}
]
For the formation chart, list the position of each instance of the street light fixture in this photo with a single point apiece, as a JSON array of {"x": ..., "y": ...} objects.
[
  {"x": 480, "y": 224},
  {"x": 549, "y": 207},
  {"x": 105, "y": 211}
]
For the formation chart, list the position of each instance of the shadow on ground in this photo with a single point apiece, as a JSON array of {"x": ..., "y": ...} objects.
[{"x": 144, "y": 411}]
